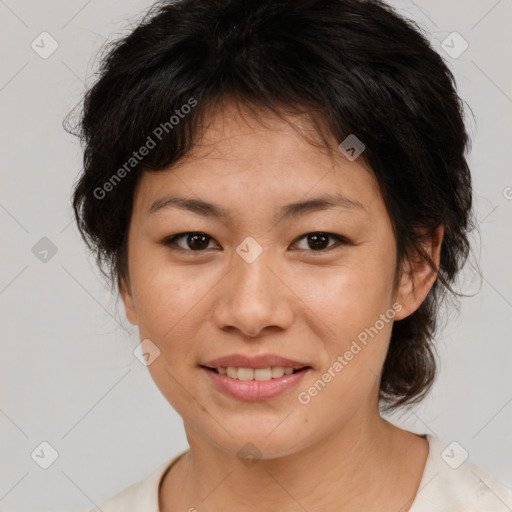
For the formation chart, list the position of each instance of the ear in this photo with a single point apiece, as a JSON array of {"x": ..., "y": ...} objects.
[
  {"x": 127, "y": 297},
  {"x": 418, "y": 277}
]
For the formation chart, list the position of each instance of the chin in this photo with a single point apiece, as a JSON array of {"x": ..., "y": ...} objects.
[{"x": 250, "y": 440}]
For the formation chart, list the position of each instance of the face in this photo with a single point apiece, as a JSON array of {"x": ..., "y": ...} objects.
[{"x": 312, "y": 284}]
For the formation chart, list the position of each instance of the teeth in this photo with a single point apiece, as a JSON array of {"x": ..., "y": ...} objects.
[
  {"x": 245, "y": 374},
  {"x": 232, "y": 372},
  {"x": 261, "y": 374},
  {"x": 277, "y": 371}
]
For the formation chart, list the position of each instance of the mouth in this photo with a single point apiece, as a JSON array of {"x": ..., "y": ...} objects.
[
  {"x": 253, "y": 378},
  {"x": 255, "y": 384}
]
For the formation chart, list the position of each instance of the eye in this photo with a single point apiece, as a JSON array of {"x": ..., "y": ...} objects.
[
  {"x": 196, "y": 241},
  {"x": 318, "y": 241}
]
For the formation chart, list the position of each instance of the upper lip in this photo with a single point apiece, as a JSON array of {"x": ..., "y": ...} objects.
[{"x": 260, "y": 361}]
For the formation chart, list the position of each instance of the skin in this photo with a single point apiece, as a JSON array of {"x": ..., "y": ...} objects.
[{"x": 294, "y": 301}]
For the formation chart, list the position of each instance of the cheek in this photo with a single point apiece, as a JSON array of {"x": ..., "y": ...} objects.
[
  {"x": 350, "y": 297},
  {"x": 168, "y": 304},
  {"x": 164, "y": 296}
]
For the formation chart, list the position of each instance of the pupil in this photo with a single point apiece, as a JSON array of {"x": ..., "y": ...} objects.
[
  {"x": 318, "y": 240},
  {"x": 195, "y": 243}
]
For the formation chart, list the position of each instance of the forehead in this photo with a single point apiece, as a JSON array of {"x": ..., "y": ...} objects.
[
  {"x": 237, "y": 131},
  {"x": 259, "y": 162}
]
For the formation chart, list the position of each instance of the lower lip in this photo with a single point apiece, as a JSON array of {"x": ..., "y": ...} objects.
[{"x": 255, "y": 390}]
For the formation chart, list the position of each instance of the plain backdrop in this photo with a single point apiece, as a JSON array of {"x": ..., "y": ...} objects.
[{"x": 68, "y": 373}]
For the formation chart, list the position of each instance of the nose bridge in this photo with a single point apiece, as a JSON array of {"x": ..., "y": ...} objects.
[
  {"x": 253, "y": 297},
  {"x": 252, "y": 286},
  {"x": 251, "y": 273}
]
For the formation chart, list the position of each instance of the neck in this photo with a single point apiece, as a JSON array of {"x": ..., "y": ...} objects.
[{"x": 364, "y": 466}]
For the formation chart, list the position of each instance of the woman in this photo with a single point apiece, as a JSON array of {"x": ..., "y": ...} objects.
[{"x": 279, "y": 192}]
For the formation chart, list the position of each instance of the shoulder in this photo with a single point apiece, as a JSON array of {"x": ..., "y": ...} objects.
[
  {"x": 141, "y": 495},
  {"x": 451, "y": 483}
]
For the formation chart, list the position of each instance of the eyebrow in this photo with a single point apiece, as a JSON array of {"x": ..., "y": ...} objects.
[{"x": 296, "y": 209}]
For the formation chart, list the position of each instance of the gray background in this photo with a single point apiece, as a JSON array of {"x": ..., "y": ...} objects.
[{"x": 68, "y": 374}]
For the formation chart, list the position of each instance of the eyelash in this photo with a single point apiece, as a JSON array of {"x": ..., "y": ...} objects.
[{"x": 169, "y": 241}]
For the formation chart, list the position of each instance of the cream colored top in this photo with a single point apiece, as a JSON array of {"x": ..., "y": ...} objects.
[{"x": 449, "y": 484}]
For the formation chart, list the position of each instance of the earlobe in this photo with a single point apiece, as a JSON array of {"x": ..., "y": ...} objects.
[
  {"x": 127, "y": 298},
  {"x": 418, "y": 276}
]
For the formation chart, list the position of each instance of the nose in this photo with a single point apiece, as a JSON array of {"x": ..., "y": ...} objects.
[{"x": 253, "y": 297}]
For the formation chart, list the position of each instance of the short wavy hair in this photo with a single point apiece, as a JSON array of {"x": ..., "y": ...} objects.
[{"x": 352, "y": 66}]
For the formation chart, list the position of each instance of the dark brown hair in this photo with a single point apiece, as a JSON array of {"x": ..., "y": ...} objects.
[{"x": 357, "y": 65}]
